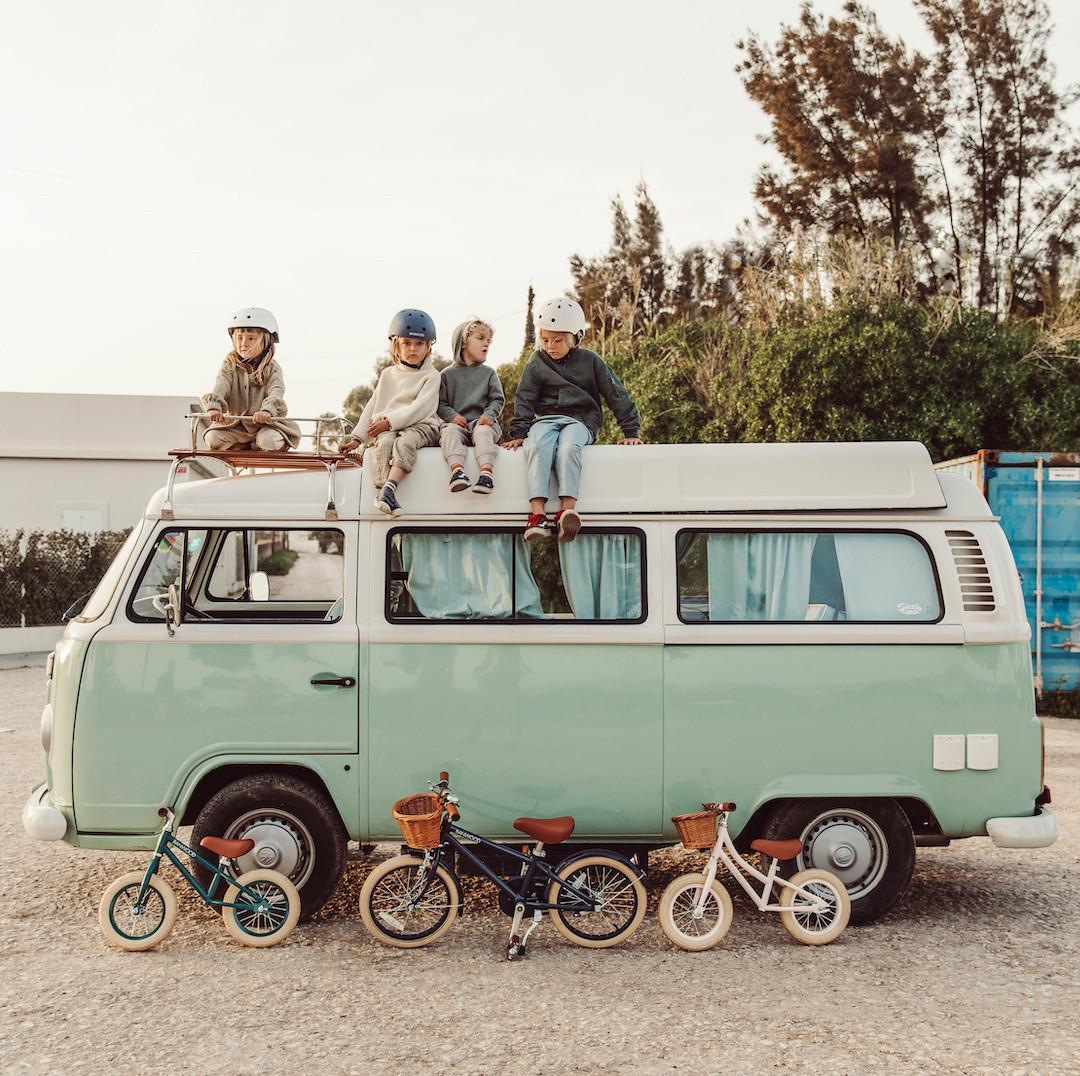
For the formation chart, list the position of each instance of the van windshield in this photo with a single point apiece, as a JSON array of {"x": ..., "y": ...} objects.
[{"x": 99, "y": 600}]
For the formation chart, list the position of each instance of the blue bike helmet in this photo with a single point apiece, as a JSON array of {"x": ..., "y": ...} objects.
[{"x": 412, "y": 323}]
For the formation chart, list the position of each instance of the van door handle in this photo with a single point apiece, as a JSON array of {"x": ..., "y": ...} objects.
[{"x": 333, "y": 681}]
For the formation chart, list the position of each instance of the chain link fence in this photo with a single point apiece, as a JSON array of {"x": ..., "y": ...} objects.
[{"x": 43, "y": 572}]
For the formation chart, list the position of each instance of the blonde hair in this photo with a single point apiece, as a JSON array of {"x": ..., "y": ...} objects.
[
  {"x": 473, "y": 325},
  {"x": 395, "y": 355}
]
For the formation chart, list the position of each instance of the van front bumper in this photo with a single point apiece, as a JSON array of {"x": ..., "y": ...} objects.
[
  {"x": 41, "y": 819},
  {"x": 1035, "y": 831}
]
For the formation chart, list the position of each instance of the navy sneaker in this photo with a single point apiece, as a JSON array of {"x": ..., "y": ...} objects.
[
  {"x": 459, "y": 480},
  {"x": 484, "y": 484},
  {"x": 387, "y": 503}
]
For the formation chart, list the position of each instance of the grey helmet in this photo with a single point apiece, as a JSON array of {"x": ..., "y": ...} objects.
[{"x": 254, "y": 317}]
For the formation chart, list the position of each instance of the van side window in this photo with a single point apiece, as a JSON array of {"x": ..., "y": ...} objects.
[
  {"x": 304, "y": 570},
  {"x": 472, "y": 575},
  {"x": 793, "y": 576}
]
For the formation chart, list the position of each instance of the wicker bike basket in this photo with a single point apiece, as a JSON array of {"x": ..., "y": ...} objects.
[
  {"x": 420, "y": 819},
  {"x": 697, "y": 830}
]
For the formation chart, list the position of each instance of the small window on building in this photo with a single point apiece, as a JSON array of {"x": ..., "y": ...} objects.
[
  {"x": 497, "y": 576},
  {"x": 795, "y": 576}
]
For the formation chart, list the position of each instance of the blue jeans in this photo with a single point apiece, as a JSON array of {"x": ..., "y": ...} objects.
[{"x": 558, "y": 439}]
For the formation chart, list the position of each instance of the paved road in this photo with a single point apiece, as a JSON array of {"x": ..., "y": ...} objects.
[{"x": 976, "y": 972}]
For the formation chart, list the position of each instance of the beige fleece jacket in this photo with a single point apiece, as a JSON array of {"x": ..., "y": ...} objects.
[
  {"x": 237, "y": 392},
  {"x": 403, "y": 396}
]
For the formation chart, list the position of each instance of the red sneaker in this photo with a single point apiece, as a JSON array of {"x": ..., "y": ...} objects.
[
  {"x": 569, "y": 523},
  {"x": 538, "y": 527}
]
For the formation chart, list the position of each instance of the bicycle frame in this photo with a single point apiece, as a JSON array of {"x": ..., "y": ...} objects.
[
  {"x": 724, "y": 850},
  {"x": 164, "y": 848},
  {"x": 454, "y": 836}
]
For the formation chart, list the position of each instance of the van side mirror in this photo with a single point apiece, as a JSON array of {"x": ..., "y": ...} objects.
[
  {"x": 259, "y": 587},
  {"x": 172, "y": 610}
]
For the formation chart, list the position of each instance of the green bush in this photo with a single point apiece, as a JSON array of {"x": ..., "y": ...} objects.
[{"x": 279, "y": 563}]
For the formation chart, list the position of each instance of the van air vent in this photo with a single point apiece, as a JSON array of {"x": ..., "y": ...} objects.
[{"x": 974, "y": 575}]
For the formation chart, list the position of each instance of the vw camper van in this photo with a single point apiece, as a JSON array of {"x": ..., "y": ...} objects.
[{"x": 830, "y": 635}]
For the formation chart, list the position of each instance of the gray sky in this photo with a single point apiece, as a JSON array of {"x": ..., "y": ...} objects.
[{"x": 162, "y": 165}]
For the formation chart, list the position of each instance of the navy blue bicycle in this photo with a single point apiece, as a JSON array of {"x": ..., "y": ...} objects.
[{"x": 594, "y": 897}]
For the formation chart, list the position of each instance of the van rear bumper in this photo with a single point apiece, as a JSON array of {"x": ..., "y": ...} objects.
[
  {"x": 1035, "y": 831},
  {"x": 41, "y": 819}
]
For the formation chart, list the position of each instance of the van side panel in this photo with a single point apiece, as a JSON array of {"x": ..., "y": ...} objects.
[
  {"x": 534, "y": 730},
  {"x": 758, "y": 723},
  {"x": 155, "y": 711}
]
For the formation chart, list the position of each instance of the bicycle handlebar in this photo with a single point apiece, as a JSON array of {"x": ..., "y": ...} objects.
[{"x": 718, "y": 806}]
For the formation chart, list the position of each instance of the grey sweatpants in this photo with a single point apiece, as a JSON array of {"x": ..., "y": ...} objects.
[
  {"x": 455, "y": 438},
  {"x": 399, "y": 447},
  {"x": 224, "y": 440}
]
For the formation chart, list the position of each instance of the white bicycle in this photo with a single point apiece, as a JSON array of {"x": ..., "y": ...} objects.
[{"x": 695, "y": 909}]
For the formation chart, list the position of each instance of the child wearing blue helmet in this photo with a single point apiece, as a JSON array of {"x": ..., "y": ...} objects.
[{"x": 400, "y": 418}]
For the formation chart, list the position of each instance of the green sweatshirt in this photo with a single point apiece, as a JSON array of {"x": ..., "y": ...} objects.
[
  {"x": 573, "y": 387},
  {"x": 470, "y": 391}
]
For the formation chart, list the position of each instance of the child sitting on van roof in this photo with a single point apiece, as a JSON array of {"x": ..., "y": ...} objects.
[
  {"x": 557, "y": 413},
  {"x": 470, "y": 399},
  {"x": 250, "y": 384},
  {"x": 400, "y": 418}
]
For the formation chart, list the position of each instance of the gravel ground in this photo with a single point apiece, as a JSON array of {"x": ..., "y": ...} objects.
[{"x": 976, "y": 972}]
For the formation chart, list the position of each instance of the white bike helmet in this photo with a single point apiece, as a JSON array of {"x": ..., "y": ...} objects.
[
  {"x": 562, "y": 315},
  {"x": 254, "y": 317}
]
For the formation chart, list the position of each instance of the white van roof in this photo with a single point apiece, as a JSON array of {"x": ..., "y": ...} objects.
[{"x": 616, "y": 479}]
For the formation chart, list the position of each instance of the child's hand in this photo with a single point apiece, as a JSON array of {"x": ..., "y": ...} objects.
[
  {"x": 350, "y": 446},
  {"x": 214, "y": 416},
  {"x": 630, "y": 441},
  {"x": 484, "y": 420},
  {"x": 380, "y": 425},
  {"x": 513, "y": 443},
  {"x": 461, "y": 420},
  {"x": 261, "y": 418}
]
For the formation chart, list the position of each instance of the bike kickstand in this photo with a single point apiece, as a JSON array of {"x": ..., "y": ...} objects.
[{"x": 536, "y": 917}]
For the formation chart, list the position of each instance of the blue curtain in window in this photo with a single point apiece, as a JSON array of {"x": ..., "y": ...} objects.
[
  {"x": 468, "y": 576},
  {"x": 759, "y": 576},
  {"x": 886, "y": 577},
  {"x": 602, "y": 576}
]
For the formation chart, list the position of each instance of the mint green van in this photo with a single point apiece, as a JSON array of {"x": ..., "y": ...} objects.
[{"x": 831, "y": 635}]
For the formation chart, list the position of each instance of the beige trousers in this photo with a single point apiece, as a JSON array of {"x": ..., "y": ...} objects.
[
  {"x": 399, "y": 447},
  {"x": 225, "y": 440},
  {"x": 485, "y": 439}
]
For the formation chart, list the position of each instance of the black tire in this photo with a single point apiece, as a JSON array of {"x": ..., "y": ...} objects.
[
  {"x": 295, "y": 827},
  {"x": 866, "y": 843}
]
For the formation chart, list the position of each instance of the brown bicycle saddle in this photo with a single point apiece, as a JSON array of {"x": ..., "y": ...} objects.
[{"x": 548, "y": 830}]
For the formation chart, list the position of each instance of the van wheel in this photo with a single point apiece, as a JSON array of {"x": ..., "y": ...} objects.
[
  {"x": 296, "y": 831},
  {"x": 866, "y": 843}
]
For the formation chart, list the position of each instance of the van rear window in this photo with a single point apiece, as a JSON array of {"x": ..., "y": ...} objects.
[
  {"x": 483, "y": 576},
  {"x": 869, "y": 577}
]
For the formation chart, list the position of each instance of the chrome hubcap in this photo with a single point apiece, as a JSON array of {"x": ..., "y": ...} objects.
[
  {"x": 848, "y": 843},
  {"x": 282, "y": 843}
]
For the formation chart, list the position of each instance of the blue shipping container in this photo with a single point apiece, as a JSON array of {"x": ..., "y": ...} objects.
[{"x": 1037, "y": 496}]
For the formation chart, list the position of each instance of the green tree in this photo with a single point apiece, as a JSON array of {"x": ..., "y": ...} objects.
[{"x": 530, "y": 326}]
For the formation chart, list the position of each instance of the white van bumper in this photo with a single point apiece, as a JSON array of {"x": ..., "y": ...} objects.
[
  {"x": 41, "y": 819},
  {"x": 1035, "y": 831}
]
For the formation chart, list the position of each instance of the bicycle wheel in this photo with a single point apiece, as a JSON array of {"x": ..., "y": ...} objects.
[
  {"x": 269, "y": 918},
  {"x": 802, "y": 922},
  {"x": 129, "y": 925},
  {"x": 395, "y": 910},
  {"x": 690, "y": 930},
  {"x": 616, "y": 888}
]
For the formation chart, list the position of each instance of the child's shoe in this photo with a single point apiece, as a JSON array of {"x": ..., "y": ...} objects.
[
  {"x": 538, "y": 527},
  {"x": 387, "y": 503},
  {"x": 459, "y": 480},
  {"x": 569, "y": 523},
  {"x": 484, "y": 484}
]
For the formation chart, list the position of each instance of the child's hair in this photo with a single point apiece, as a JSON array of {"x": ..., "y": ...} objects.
[
  {"x": 396, "y": 356},
  {"x": 473, "y": 325}
]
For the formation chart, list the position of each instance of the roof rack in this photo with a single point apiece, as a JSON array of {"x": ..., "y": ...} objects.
[{"x": 238, "y": 460}]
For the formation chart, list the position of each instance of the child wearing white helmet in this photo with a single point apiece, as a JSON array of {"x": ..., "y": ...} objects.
[
  {"x": 400, "y": 417},
  {"x": 470, "y": 400},
  {"x": 250, "y": 387},
  {"x": 557, "y": 412}
]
